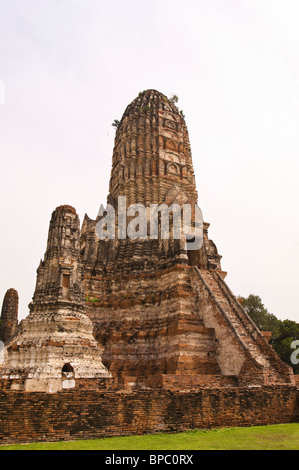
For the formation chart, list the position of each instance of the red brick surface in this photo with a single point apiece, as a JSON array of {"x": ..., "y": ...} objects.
[{"x": 86, "y": 414}]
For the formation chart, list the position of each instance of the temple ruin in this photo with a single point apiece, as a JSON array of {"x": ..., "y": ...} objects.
[
  {"x": 165, "y": 315},
  {"x": 54, "y": 347},
  {"x": 137, "y": 315}
]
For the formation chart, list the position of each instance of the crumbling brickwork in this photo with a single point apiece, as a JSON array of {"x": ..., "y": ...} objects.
[{"x": 92, "y": 414}]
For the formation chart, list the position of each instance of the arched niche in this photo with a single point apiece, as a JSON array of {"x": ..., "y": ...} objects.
[
  {"x": 68, "y": 376},
  {"x": 173, "y": 169}
]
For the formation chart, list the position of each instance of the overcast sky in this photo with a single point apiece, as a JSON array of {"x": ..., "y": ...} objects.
[{"x": 70, "y": 67}]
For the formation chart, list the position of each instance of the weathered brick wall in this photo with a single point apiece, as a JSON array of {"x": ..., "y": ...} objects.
[
  {"x": 85, "y": 414},
  {"x": 148, "y": 324}
]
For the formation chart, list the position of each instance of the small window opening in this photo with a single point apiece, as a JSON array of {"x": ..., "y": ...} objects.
[
  {"x": 67, "y": 368},
  {"x": 68, "y": 376}
]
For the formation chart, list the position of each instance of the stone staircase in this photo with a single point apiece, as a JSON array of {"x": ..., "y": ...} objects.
[{"x": 255, "y": 347}]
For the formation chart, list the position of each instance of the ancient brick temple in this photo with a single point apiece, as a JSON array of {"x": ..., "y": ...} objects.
[
  {"x": 164, "y": 315},
  {"x": 123, "y": 314}
]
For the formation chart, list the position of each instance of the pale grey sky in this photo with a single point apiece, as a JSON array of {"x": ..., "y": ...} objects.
[{"x": 70, "y": 67}]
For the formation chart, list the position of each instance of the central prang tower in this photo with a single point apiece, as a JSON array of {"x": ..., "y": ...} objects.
[
  {"x": 163, "y": 314},
  {"x": 152, "y": 159}
]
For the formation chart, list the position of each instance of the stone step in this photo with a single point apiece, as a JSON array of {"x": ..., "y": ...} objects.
[{"x": 223, "y": 299}]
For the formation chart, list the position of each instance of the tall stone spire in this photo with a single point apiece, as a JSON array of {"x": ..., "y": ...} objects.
[
  {"x": 151, "y": 165},
  {"x": 152, "y": 157},
  {"x": 9, "y": 315},
  {"x": 59, "y": 274},
  {"x": 55, "y": 347}
]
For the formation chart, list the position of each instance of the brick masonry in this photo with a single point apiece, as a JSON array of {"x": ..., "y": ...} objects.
[
  {"x": 85, "y": 414},
  {"x": 136, "y": 336}
]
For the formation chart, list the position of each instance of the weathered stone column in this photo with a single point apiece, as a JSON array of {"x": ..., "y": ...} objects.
[{"x": 9, "y": 315}]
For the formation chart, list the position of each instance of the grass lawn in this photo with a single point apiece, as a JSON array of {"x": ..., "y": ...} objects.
[{"x": 274, "y": 437}]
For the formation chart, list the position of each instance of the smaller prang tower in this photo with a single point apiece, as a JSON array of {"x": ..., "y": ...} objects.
[
  {"x": 55, "y": 348},
  {"x": 9, "y": 315}
]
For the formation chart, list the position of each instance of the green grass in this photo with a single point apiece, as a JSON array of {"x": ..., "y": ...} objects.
[{"x": 274, "y": 437}]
